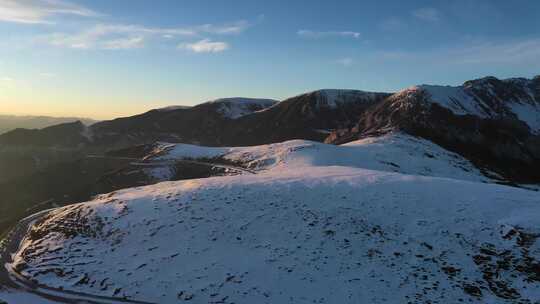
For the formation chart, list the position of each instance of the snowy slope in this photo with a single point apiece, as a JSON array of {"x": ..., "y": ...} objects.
[
  {"x": 455, "y": 99},
  {"x": 299, "y": 235},
  {"x": 237, "y": 107},
  {"x": 395, "y": 152}
]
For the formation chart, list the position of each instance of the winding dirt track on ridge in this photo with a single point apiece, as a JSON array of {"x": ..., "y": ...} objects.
[{"x": 139, "y": 162}]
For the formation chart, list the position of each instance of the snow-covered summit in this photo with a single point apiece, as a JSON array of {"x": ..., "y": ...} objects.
[
  {"x": 490, "y": 97},
  {"x": 236, "y": 107},
  {"x": 456, "y": 99}
]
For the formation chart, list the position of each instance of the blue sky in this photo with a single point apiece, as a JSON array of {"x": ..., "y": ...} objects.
[{"x": 104, "y": 58}]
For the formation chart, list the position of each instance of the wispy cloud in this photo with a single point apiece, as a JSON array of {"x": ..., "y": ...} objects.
[
  {"x": 205, "y": 46},
  {"x": 47, "y": 75},
  {"x": 231, "y": 28},
  {"x": 40, "y": 11},
  {"x": 124, "y": 43},
  {"x": 427, "y": 14},
  {"x": 392, "y": 24},
  {"x": 346, "y": 62},
  {"x": 112, "y": 36},
  {"x": 510, "y": 52},
  {"x": 325, "y": 34},
  {"x": 121, "y": 36}
]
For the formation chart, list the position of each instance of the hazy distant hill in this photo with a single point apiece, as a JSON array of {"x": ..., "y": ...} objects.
[{"x": 10, "y": 122}]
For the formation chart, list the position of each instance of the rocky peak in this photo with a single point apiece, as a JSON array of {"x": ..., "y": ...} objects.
[
  {"x": 482, "y": 82},
  {"x": 535, "y": 84},
  {"x": 495, "y": 122}
]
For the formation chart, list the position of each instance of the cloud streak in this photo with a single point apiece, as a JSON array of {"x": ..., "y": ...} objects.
[
  {"x": 40, "y": 11},
  {"x": 124, "y": 43},
  {"x": 511, "y": 52},
  {"x": 112, "y": 36},
  {"x": 205, "y": 46},
  {"x": 326, "y": 34},
  {"x": 427, "y": 14},
  {"x": 121, "y": 36}
]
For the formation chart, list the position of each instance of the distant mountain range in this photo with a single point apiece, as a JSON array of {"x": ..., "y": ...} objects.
[
  {"x": 229, "y": 121},
  {"x": 494, "y": 123},
  {"x": 11, "y": 122}
]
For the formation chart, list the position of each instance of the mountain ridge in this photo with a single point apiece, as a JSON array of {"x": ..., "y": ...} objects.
[
  {"x": 12, "y": 122},
  {"x": 477, "y": 120},
  {"x": 494, "y": 122}
]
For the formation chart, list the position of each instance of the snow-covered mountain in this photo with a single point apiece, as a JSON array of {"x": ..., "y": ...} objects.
[
  {"x": 317, "y": 223},
  {"x": 511, "y": 104},
  {"x": 514, "y": 98},
  {"x": 225, "y": 122},
  {"x": 309, "y": 116},
  {"x": 492, "y": 122}
]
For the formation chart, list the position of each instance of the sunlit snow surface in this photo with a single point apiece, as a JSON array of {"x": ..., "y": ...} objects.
[
  {"x": 455, "y": 99},
  {"x": 394, "y": 152},
  {"x": 317, "y": 224}
]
